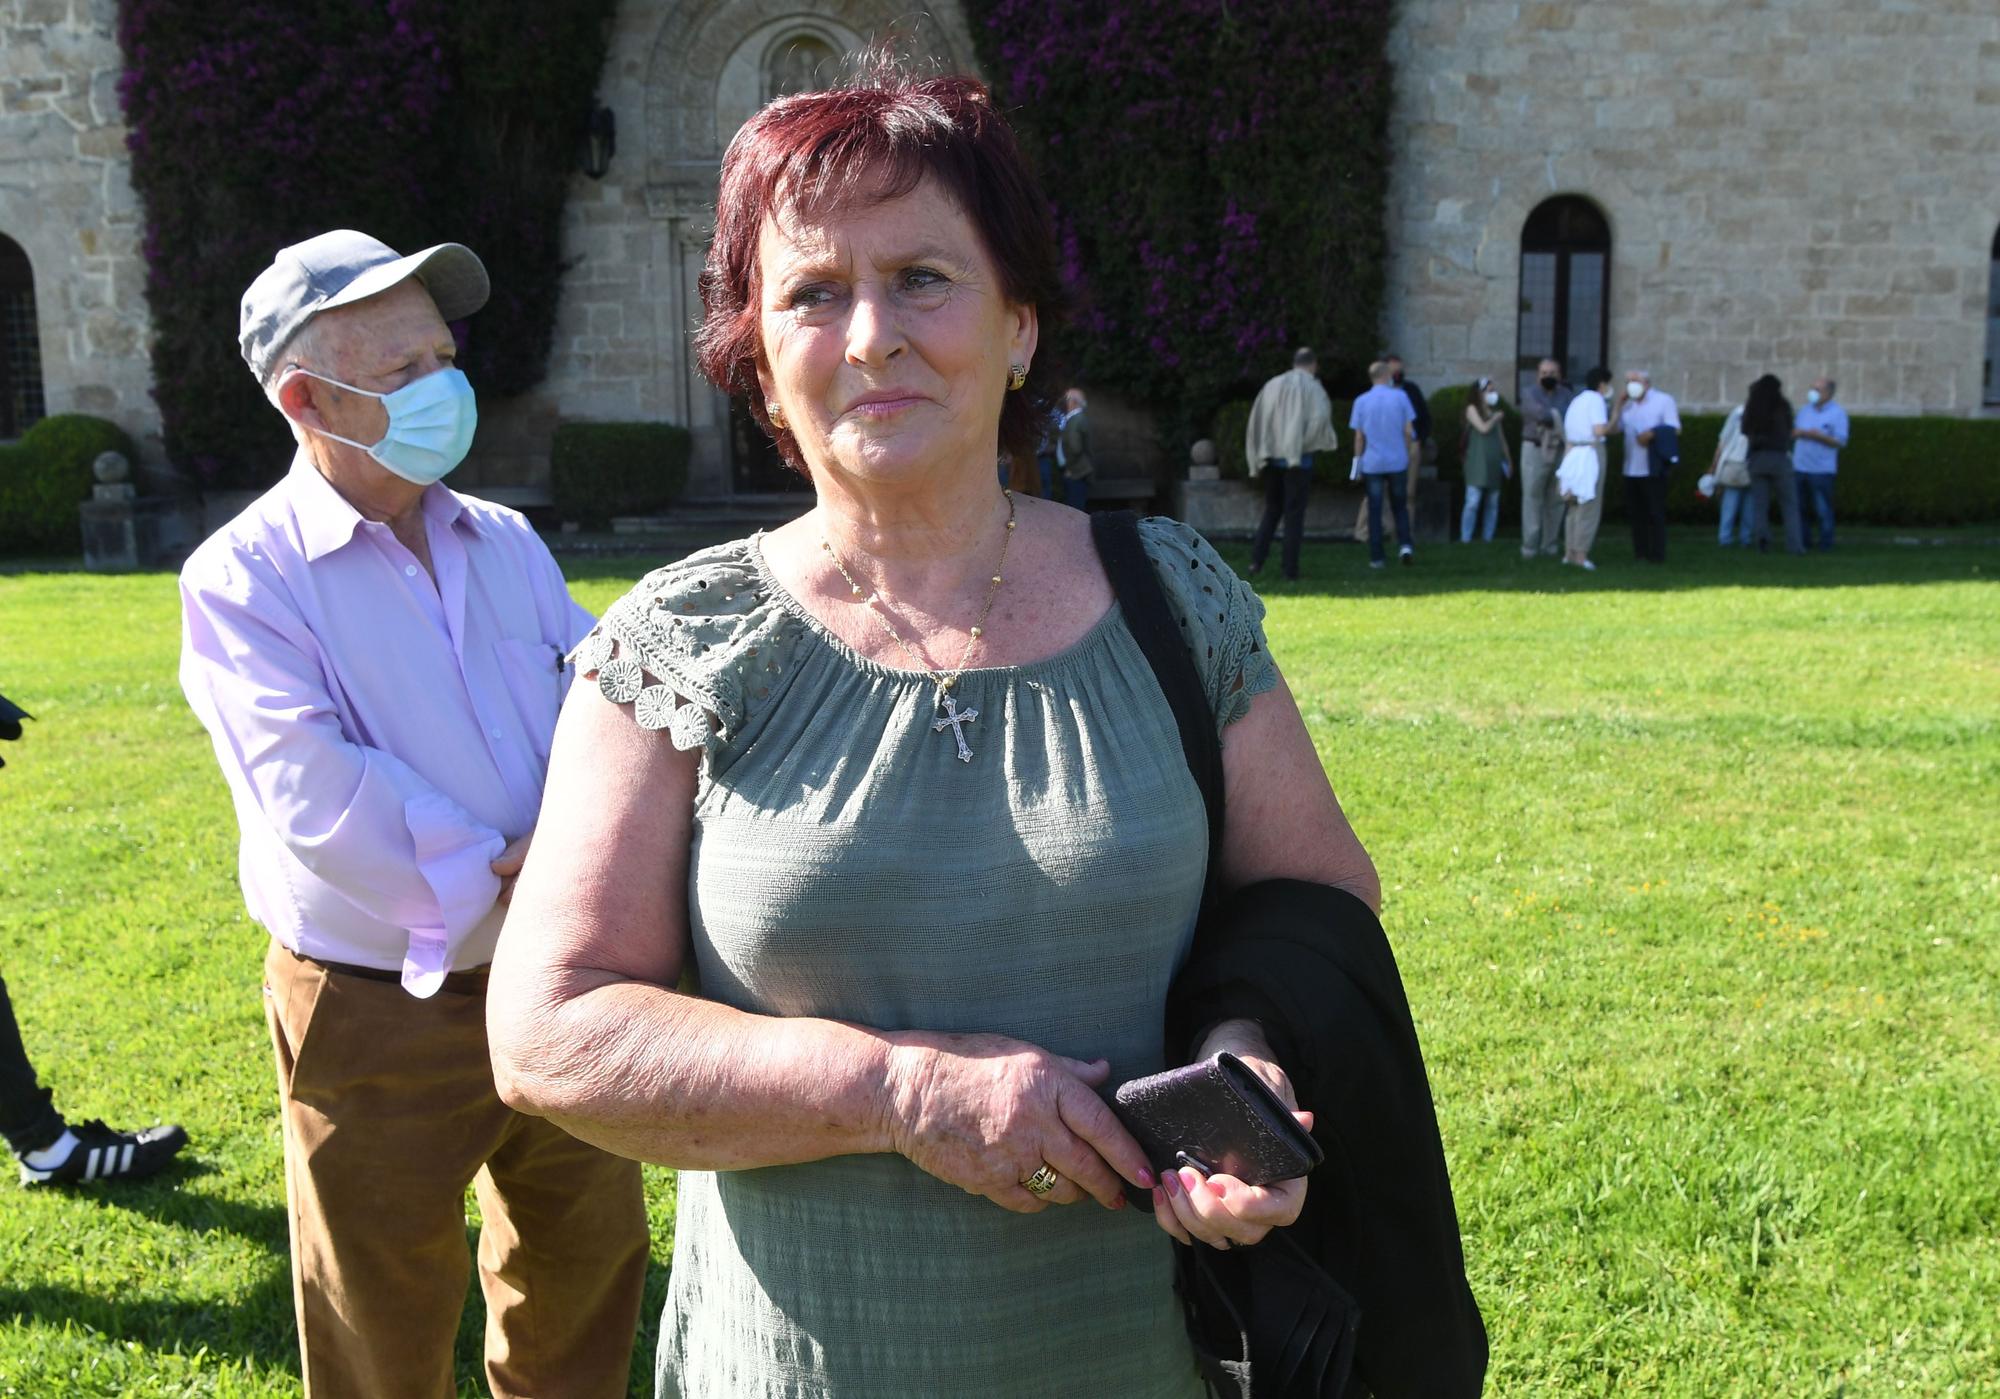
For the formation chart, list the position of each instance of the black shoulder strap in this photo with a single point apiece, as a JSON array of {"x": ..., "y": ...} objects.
[{"x": 1144, "y": 604}]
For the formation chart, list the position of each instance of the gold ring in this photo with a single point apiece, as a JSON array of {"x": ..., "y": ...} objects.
[{"x": 1041, "y": 1182}]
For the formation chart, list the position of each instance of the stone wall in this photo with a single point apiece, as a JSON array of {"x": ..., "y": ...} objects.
[
  {"x": 1798, "y": 186},
  {"x": 680, "y": 77},
  {"x": 66, "y": 198}
]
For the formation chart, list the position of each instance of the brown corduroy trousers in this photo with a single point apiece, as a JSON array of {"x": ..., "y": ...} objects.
[{"x": 390, "y": 1113}]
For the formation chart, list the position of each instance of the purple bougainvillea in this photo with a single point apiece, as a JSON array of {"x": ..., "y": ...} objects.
[
  {"x": 254, "y": 123},
  {"x": 1218, "y": 173}
]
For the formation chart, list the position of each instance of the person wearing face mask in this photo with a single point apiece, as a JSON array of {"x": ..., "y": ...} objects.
[
  {"x": 1647, "y": 415},
  {"x": 379, "y": 662},
  {"x": 1817, "y": 437},
  {"x": 1487, "y": 463},
  {"x": 1542, "y": 408}
]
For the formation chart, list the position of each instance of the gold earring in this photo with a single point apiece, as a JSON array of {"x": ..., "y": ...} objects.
[
  {"x": 1017, "y": 375},
  {"x": 775, "y": 411}
]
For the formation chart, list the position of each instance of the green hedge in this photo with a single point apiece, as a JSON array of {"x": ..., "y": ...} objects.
[
  {"x": 1895, "y": 471},
  {"x": 1233, "y": 417},
  {"x": 599, "y": 470},
  {"x": 46, "y": 475}
]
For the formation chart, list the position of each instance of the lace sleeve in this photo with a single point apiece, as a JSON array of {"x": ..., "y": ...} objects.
[
  {"x": 693, "y": 648},
  {"x": 1220, "y": 616}
]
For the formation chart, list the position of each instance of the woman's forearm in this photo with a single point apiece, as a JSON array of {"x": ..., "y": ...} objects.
[{"x": 680, "y": 1081}]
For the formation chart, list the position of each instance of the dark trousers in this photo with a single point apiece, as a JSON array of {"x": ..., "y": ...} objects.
[
  {"x": 1771, "y": 477},
  {"x": 1396, "y": 485},
  {"x": 1646, "y": 500},
  {"x": 1286, "y": 489},
  {"x": 1815, "y": 505},
  {"x": 1076, "y": 492},
  {"x": 1046, "y": 464},
  {"x": 27, "y": 1119}
]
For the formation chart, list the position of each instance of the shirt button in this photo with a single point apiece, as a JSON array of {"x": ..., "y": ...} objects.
[
  {"x": 409, "y": 570},
  {"x": 495, "y": 733}
]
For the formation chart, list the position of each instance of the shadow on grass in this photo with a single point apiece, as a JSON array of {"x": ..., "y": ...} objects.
[{"x": 256, "y": 1324}]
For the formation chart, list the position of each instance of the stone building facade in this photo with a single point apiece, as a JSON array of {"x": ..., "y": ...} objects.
[
  {"x": 73, "y": 324},
  {"x": 1793, "y": 186},
  {"x": 1803, "y": 186},
  {"x": 680, "y": 78}
]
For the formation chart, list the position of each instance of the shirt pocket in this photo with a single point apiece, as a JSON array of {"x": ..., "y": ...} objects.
[{"x": 535, "y": 687}]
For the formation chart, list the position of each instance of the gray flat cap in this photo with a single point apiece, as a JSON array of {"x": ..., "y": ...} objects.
[{"x": 338, "y": 269}]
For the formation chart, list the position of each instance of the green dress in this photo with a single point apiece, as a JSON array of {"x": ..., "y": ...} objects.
[
  {"x": 1483, "y": 451},
  {"x": 846, "y": 863}
]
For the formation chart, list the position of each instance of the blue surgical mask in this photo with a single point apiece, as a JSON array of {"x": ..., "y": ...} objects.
[
  {"x": 1812, "y": 397},
  {"x": 431, "y": 421}
]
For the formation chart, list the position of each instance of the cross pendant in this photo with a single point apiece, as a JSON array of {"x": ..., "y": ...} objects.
[{"x": 956, "y": 719}]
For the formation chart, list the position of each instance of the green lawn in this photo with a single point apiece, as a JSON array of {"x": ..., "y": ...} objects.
[{"x": 1694, "y": 874}]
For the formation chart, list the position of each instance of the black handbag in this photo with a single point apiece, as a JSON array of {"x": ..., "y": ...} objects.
[{"x": 1267, "y": 1322}]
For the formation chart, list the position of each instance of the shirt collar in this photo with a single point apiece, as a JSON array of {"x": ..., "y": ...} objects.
[{"x": 327, "y": 521}]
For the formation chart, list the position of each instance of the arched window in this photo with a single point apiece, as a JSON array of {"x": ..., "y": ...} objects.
[
  {"x": 1993, "y": 324},
  {"x": 20, "y": 343},
  {"x": 1565, "y": 288},
  {"x": 802, "y": 63}
]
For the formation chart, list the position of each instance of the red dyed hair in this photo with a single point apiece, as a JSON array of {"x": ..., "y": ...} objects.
[{"x": 819, "y": 152}]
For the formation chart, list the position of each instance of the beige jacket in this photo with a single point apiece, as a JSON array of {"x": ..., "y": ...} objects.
[{"x": 1291, "y": 417}]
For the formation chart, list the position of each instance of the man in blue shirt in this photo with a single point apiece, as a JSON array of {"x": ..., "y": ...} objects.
[
  {"x": 1384, "y": 437},
  {"x": 1818, "y": 434}
]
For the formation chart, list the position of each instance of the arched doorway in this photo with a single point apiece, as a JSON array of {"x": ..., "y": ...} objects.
[
  {"x": 1565, "y": 288},
  {"x": 20, "y": 343},
  {"x": 1992, "y": 393},
  {"x": 799, "y": 61},
  {"x": 712, "y": 64}
]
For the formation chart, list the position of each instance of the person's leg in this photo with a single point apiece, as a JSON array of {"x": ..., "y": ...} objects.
[
  {"x": 1802, "y": 493},
  {"x": 563, "y": 1246},
  {"x": 1298, "y": 486},
  {"x": 1788, "y": 501},
  {"x": 1490, "y": 526},
  {"x": 1656, "y": 518},
  {"x": 1076, "y": 489},
  {"x": 1633, "y": 488},
  {"x": 1588, "y": 515},
  {"x": 1274, "y": 510},
  {"x": 1732, "y": 511},
  {"x": 1046, "y": 464},
  {"x": 1759, "y": 527},
  {"x": 1399, "y": 501},
  {"x": 28, "y": 1119},
  {"x": 1819, "y": 491},
  {"x": 1373, "y": 506},
  {"x": 1536, "y": 468},
  {"x": 389, "y": 1111},
  {"x": 1469, "y": 516}
]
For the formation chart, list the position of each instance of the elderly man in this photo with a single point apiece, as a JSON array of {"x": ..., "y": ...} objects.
[
  {"x": 1542, "y": 447},
  {"x": 1290, "y": 423},
  {"x": 1073, "y": 454},
  {"x": 1818, "y": 434},
  {"x": 1646, "y": 413},
  {"x": 379, "y": 661}
]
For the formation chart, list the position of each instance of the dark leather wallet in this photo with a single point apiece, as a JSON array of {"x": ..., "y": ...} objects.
[{"x": 1218, "y": 1117}]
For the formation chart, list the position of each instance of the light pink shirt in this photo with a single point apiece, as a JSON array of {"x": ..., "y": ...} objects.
[
  {"x": 1656, "y": 407},
  {"x": 383, "y": 737}
]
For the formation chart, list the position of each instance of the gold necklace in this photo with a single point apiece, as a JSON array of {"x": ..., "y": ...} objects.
[{"x": 953, "y": 718}]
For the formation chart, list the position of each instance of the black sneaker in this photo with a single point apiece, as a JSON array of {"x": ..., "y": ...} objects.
[{"x": 102, "y": 1154}]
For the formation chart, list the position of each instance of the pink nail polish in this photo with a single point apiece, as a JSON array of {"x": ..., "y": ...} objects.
[
  {"x": 1159, "y": 1198},
  {"x": 1172, "y": 1181},
  {"x": 1190, "y": 1181},
  {"x": 1146, "y": 1178}
]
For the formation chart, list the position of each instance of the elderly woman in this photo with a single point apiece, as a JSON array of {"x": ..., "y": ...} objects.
[{"x": 870, "y": 854}]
